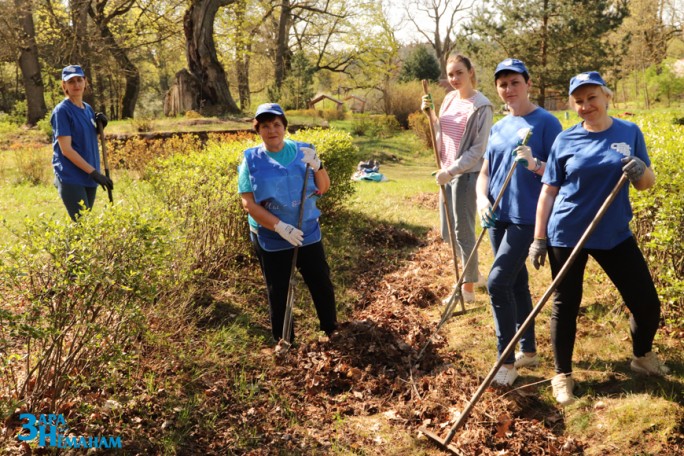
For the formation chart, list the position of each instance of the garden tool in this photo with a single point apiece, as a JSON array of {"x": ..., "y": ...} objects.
[
  {"x": 287, "y": 322},
  {"x": 103, "y": 141},
  {"x": 442, "y": 188},
  {"x": 524, "y": 135},
  {"x": 445, "y": 443}
]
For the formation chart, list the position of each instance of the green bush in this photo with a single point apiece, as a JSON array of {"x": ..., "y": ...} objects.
[
  {"x": 339, "y": 153},
  {"x": 201, "y": 187},
  {"x": 74, "y": 296},
  {"x": 419, "y": 124},
  {"x": 379, "y": 125},
  {"x": 333, "y": 114},
  {"x": 659, "y": 214}
]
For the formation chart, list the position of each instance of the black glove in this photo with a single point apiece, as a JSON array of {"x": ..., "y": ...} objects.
[
  {"x": 101, "y": 119},
  {"x": 103, "y": 180}
]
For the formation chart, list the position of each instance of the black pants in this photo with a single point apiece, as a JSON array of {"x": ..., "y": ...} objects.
[
  {"x": 313, "y": 267},
  {"x": 626, "y": 267}
]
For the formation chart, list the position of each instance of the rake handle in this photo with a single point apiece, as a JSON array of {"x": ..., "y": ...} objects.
[
  {"x": 287, "y": 322},
  {"x": 535, "y": 311},
  {"x": 103, "y": 142}
]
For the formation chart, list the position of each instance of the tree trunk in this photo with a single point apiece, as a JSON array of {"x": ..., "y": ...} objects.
[
  {"x": 198, "y": 25},
  {"x": 130, "y": 72},
  {"x": 544, "y": 55},
  {"x": 242, "y": 67},
  {"x": 80, "y": 52},
  {"x": 29, "y": 64},
  {"x": 282, "y": 57}
]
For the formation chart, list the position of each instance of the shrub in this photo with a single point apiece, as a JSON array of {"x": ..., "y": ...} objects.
[
  {"x": 33, "y": 164},
  {"x": 379, "y": 125},
  {"x": 337, "y": 150},
  {"x": 659, "y": 214},
  {"x": 405, "y": 99},
  {"x": 201, "y": 187},
  {"x": 419, "y": 124},
  {"x": 136, "y": 153},
  {"x": 73, "y": 300},
  {"x": 333, "y": 114}
]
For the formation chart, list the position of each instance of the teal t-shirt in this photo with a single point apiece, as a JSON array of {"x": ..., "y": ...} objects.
[{"x": 283, "y": 157}]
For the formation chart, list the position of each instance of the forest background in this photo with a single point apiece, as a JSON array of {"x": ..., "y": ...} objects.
[{"x": 227, "y": 56}]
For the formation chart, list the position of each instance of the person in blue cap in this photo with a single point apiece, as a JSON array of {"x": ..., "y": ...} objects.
[
  {"x": 585, "y": 163},
  {"x": 511, "y": 226},
  {"x": 76, "y": 157},
  {"x": 462, "y": 128},
  {"x": 270, "y": 182}
]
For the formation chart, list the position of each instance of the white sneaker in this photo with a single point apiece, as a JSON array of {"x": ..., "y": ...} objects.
[
  {"x": 522, "y": 360},
  {"x": 481, "y": 282},
  {"x": 468, "y": 296},
  {"x": 562, "y": 386},
  {"x": 505, "y": 376},
  {"x": 649, "y": 364}
]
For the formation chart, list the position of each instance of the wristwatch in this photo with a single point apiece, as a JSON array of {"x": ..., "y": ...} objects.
[{"x": 538, "y": 165}]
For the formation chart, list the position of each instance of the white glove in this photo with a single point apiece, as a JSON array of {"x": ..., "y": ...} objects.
[
  {"x": 443, "y": 177},
  {"x": 427, "y": 103},
  {"x": 288, "y": 232},
  {"x": 311, "y": 159},
  {"x": 484, "y": 209},
  {"x": 523, "y": 155}
]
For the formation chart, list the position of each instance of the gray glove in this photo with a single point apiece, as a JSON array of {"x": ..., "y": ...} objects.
[
  {"x": 537, "y": 253},
  {"x": 633, "y": 168}
]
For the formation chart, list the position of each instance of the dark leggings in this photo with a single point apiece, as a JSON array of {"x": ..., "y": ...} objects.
[
  {"x": 73, "y": 194},
  {"x": 625, "y": 266},
  {"x": 313, "y": 267}
]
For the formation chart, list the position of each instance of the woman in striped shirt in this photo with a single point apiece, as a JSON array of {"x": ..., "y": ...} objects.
[{"x": 462, "y": 129}]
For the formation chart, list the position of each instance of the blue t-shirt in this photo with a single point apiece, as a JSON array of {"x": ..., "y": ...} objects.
[
  {"x": 283, "y": 157},
  {"x": 519, "y": 202},
  {"x": 586, "y": 166},
  {"x": 67, "y": 119}
]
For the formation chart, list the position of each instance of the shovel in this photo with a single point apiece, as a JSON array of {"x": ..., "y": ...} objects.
[
  {"x": 452, "y": 234},
  {"x": 103, "y": 141},
  {"x": 445, "y": 443},
  {"x": 524, "y": 135},
  {"x": 287, "y": 323}
]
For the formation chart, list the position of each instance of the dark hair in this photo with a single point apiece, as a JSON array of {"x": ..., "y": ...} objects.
[
  {"x": 455, "y": 58},
  {"x": 267, "y": 117},
  {"x": 507, "y": 72}
]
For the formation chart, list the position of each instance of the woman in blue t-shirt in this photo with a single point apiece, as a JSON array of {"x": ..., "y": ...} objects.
[
  {"x": 586, "y": 162},
  {"x": 75, "y": 157},
  {"x": 511, "y": 226},
  {"x": 270, "y": 181}
]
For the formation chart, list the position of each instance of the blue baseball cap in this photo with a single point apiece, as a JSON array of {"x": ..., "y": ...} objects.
[
  {"x": 588, "y": 77},
  {"x": 70, "y": 71},
  {"x": 269, "y": 108},
  {"x": 515, "y": 65}
]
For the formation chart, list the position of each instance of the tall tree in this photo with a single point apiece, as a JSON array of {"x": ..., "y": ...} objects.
[
  {"x": 441, "y": 29},
  {"x": 418, "y": 65},
  {"x": 555, "y": 38},
  {"x": 203, "y": 62},
  {"x": 130, "y": 72},
  {"x": 29, "y": 63}
]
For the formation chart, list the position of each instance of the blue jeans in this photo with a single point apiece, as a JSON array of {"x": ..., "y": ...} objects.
[
  {"x": 73, "y": 194},
  {"x": 509, "y": 291},
  {"x": 460, "y": 193}
]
